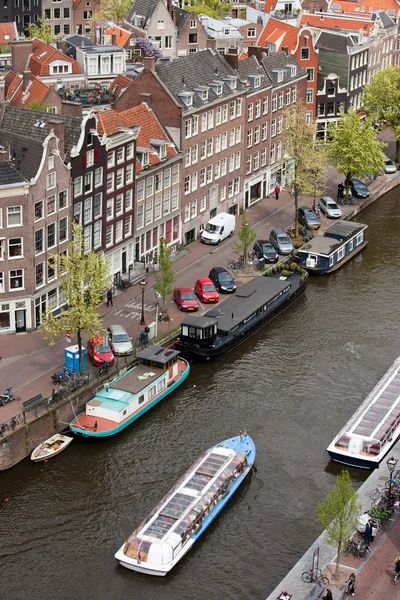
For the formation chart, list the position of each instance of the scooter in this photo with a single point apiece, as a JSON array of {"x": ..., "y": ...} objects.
[{"x": 7, "y": 397}]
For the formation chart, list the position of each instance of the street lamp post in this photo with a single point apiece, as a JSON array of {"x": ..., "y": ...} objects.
[
  {"x": 391, "y": 463},
  {"x": 142, "y": 284}
]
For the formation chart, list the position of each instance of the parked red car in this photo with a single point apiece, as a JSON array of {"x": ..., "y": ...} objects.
[
  {"x": 99, "y": 350},
  {"x": 185, "y": 299},
  {"x": 205, "y": 289}
]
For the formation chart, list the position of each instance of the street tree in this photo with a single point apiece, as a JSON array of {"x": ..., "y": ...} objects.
[
  {"x": 246, "y": 235},
  {"x": 147, "y": 48},
  {"x": 382, "y": 100},
  {"x": 212, "y": 8},
  {"x": 354, "y": 148},
  {"x": 83, "y": 280},
  {"x": 165, "y": 276},
  {"x": 338, "y": 514},
  {"x": 41, "y": 31},
  {"x": 112, "y": 10},
  {"x": 300, "y": 147},
  {"x": 317, "y": 172}
]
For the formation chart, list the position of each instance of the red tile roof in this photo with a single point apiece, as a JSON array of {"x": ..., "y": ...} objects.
[
  {"x": 269, "y": 5},
  {"x": 119, "y": 84},
  {"x": 243, "y": 56},
  {"x": 110, "y": 121},
  {"x": 278, "y": 31},
  {"x": 364, "y": 7},
  {"x": 122, "y": 35},
  {"x": 8, "y": 33},
  {"x": 36, "y": 91},
  {"x": 43, "y": 55},
  {"x": 11, "y": 81},
  {"x": 324, "y": 21}
]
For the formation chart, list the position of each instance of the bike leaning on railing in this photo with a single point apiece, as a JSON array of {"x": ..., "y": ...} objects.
[
  {"x": 315, "y": 576},
  {"x": 103, "y": 368}
]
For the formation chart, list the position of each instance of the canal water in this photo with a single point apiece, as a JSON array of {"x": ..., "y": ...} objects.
[{"x": 291, "y": 387}]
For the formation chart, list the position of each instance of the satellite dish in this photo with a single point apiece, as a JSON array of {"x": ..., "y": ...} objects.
[{"x": 61, "y": 91}]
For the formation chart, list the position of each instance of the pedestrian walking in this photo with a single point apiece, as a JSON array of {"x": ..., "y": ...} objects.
[
  {"x": 318, "y": 211},
  {"x": 110, "y": 298},
  {"x": 368, "y": 533},
  {"x": 277, "y": 191}
]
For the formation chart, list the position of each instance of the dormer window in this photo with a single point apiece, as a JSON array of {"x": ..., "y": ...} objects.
[
  {"x": 162, "y": 151},
  {"x": 204, "y": 95},
  {"x": 227, "y": 31},
  {"x": 187, "y": 98},
  {"x": 293, "y": 71},
  {"x": 231, "y": 80},
  {"x": 217, "y": 87},
  {"x": 278, "y": 73},
  {"x": 255, "y": 80},
  {"x": 142, "y": 155},
  {"x": 202, "y": 91}
]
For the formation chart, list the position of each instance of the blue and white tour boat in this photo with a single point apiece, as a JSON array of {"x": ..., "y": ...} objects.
[
  {"x": 182, "y": 516},
  {"x": 375, "y": 426}
]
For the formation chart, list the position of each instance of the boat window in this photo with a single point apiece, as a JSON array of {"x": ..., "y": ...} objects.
[
  {"x": 160, "y": 526},
  {"x": 177, "y": 505},
  {"x": 185, "y": 330},
  {"x": 152, "y": 392},
  {"x": 161, "y": 385},
  {"x": 208, "y": 332},
  {"x": 141, "y": 399},
  {"x": 331, "y": 260},
  {"x": 194, "y": 332},
  {"x": 359, "y": 238},
  {"x": 351, "y": 245},
  {"x": 124, "y": 413},
  {"x": 340, "y": 253},
  {"x": 197, "y": 482}
]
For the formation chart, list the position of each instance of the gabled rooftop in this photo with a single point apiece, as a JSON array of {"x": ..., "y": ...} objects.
[
  {"x": 9, "y": 174},
  {"x": 279, "y": 33},
  {"x": 119, "y": 85},
  {"x": 142, "y": 8},
  {"x": 36, "y": 91},
  {"x": 8, "y": 33},
  {"x": 122, "y": 36},
  {"x": 44, "y": 55},
  {"x": 324, "y": 21},
  {"x": 364, "y": 7}
]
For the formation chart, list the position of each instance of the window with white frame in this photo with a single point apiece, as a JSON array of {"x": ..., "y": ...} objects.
[
  {"x": 77, "y": 186},
  {"x": 309, "y": 116},
  {"x": 202, "y": 177},
  {"x": 51, "y": 205},
  {"x": 310, "y": 96},
  {"x": 202, "y": 203},
  {"x": 188, "y": 157},
  {"x": 280, "y": 100},
  {"x": 274, "y": 103},
  {"x": 140, "y": 190},
  {"x": 194, "y": 182},
  {"x": 193, "y": 211},
  {"x": 174, "y": 199},
  {"x": 263, "y": 157},
  {"x": 230, "y": 189},
  {"x": 272, "y": 160},
  {"x": 278, "y": 151},
  {"x": 188, "y": 128},
  {"x": 238, "y": 134},
  {"x": 294, "y": 94},
  {"x": 78, "y": 213},
  {"x": 256, "y": 161},
  {"x": 224, "y": 140},
  {"x": 218, "y": 112},
  {"x": 89, "y": 158},
  {"x": 167, "y": 178},
  {"x": 232, "y": 110},
  {"x": 50, "y": 181},
  {"x": 111, "y": 159},
  {"x": 139, "y": 216},
  {"x": 194, "y": 154},
  {"x": 222, "y": 193},
  {"x": 39, "y": 275},
  {"x": 157, "y": 207},
  {"x": 16, "y": 279},
  {"x": 280, "y": 123},
  {"x": 14, "y": 216},
  {"x": 249, "y": 138},
  {"x": 110, "y": 182},
  {"x": 209, "y": 173},
  {"x": 127, "y": 226},
  {"x": 237, "y": 185},
  {"x": 232, "y": 137},
  {"x": 186, "y": 214},
  {"x": 239, "y": 102},
  {"x": 265, "y": 105},
  {"x": 175, "y": 174},
  {"x": 119, "y": 205},
  {"x": 87, "y": 210},
  {"x": 258, "y": 109},
  {"x": 217, "y": 170},
  {"x": 87, "y": 239},
  {"x": 129, "y": 174},
  {"x": 210, "y": 144},
  {"x": 237, "y": 160},
  {"x": 110, "y": 209},
  {"x": 51, "y": 236},
  {"x": 203, "y": 125},
  {"x": 39, "y": 241},
  {"x": 97, "y": 234},
  {"x": 231, "y": 163},
  {"x": 120, "y": 178},
  {"x": 120, "y": 155},
  {"x": 186, "y": 184},
  {"x": 195, "y": 125},
  {"x": 273, "y": 128},
  {"x": 38, "y": 211},
  {"x": 250, "y": 112},
  {"x": 118, "y": 231},
  {"x": 149, "y": 211},
  {"x": 15, "y": 248},
  {"x": 210, "y": 119},
  {"x": 248, "y": 164},
  {"x": 109, "y": 236},
  {"x": 149, "y": 186},
  {"x": 62, "y": 199},
  {"x": 225, "y": 113},
  {"x": 217, "y": 143},
  {"x": 128, "y": 200},
  {"x": 257, "y": 131},
  {"x": 167, "y": 201},
  {"x": 129, "y": 150},
  {"x": 223, "y": 167}
]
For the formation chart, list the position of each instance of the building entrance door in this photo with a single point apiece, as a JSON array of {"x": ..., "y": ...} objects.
[
  {"x": 20, "y": 321},
  {"x": 123, "y": 257}
]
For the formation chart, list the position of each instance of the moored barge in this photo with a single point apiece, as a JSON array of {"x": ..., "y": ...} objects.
[
  {"x": 375, "y": 426},
  {"x": 240, "y": 316},
  {"x": 182, "y": 516},
  {"x": 327, "y": 253},
  {"x": 120, "y": 402}
]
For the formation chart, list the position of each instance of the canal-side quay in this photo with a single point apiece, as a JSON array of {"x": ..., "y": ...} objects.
[
  {"x": 293, "y": 582},
  {"x": 15, "y": 445}
]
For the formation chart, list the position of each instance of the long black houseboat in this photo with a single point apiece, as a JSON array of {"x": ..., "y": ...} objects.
[{"x": 241, "y": 315}]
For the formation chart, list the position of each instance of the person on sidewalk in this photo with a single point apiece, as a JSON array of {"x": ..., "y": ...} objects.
[
  {"x": 277, "y": 191},
  {"x": 328, "y": 595},
  {"x": 368, "y": 533},
  {"x": 110, "y": 298},
  {"x": 351, "y": 585}
]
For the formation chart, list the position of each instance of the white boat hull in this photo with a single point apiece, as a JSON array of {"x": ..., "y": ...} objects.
[{"x": 44, "y": 450}]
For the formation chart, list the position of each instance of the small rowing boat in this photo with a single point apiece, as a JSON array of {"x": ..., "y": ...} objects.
[
  {"x": 183, "y": 515},
  {"x": 54, "y": 445}
]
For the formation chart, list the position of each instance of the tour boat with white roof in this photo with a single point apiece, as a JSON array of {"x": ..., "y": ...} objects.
[
  {"x": 126, "y": 398},
  {"x": 375, "y": 426},
  {"x": 181, "y": 517}
]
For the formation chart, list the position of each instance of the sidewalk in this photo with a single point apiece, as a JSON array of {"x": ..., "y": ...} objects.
[{"x": 27, "y": 359}]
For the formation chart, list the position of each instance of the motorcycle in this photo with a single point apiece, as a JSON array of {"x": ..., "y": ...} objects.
[{"x": 7, "y": 397}]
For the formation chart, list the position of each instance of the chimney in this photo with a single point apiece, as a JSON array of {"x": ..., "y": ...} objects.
[
  {"x": 113, "y": 39},
  {"x": 145, "y": 97},
  {"x": 62, "y": 45},
  {"x": 285, "y": 49},
  {"x": 211, "y": 43},
  {"x": 257, "y": 51},
  {"x": 169, "y": 7},
  {"x": 58, "y": 129},
  {"x": 26, "y": 79},
  {"x": 232, "y": 58},
  {"x": 174, "y": 14},
  {"x": 20, "y": 52},
  {"x": 71, "y": 109},
  {"x": 149, "y": 63}
]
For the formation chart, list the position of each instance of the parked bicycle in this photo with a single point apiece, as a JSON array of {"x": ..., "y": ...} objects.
[
  {"x": 7, "y": 397},
  {"x": 315, "y": 576},
  {"x": 60, "y": 376},
  {"x": 357, "y": 549},
  {"x": 103, "y": 367}
]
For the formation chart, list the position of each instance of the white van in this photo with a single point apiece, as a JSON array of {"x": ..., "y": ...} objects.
[{"x": 218, "y": 228}]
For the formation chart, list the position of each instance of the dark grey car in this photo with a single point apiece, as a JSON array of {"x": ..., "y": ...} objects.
[
  {"x": 264, "y": 249},
  {"x": 281, "y": 241},
  {"x": 307, "y": 217}
]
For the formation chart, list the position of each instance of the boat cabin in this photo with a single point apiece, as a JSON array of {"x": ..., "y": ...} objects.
[
  {"x": 243, "y": 308},
  {"x": 158, "y": 357},
  {"x": 328, "y": 252}
]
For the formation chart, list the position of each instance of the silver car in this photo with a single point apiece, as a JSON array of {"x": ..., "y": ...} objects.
[
  {"x": 119, "y": 340},
  {"x": 329, "y": 207},
  {"x": 390, "y": 166},
  {"x": 281, "y": 241}
]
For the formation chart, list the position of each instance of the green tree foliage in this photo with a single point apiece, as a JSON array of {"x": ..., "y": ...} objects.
[
  {"x": 37, "y": 105},
  {"x": 211, "y": 8},
  {"x": 299, "y": 143},
  {"x": 382, "y": 100},
  {"x": 338, "y": 514},
  {"x": 165, "y": 276},
  {"x": 317, "y": 171},
  {"x": 354, "y": 148},
  {"x": 246, "y": 235},
  {"x": 112, "y": 10},
  {"x": 83, "y": 280},
  {"x": 41, "y": 31}
]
